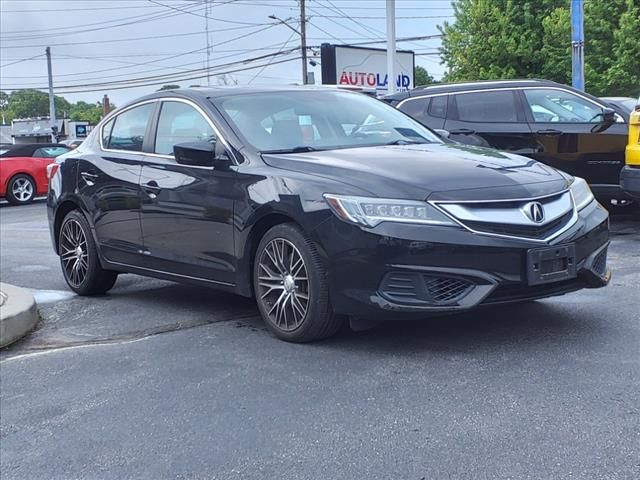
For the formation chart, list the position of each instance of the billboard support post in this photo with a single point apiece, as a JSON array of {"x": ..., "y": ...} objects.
[
  {"x": 391, "y": 46},
  {"x": 577, "y": 44}
]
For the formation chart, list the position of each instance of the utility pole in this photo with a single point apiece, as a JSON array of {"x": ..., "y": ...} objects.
[
  {"x": 577, "y": 44},
  {"x": 303, "y": 41},
  {"x": 52, "y": 103},
  {"x": 391, "y": 46},
  {"x": 206, "y": 29}
]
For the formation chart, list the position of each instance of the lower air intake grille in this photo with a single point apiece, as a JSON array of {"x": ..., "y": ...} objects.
[
  {"x": 442, "y": 289},
  {"x": 416, "y": 288}
]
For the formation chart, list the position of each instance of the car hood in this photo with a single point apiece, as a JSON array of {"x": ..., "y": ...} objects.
[{"x": 429, "y": 171}]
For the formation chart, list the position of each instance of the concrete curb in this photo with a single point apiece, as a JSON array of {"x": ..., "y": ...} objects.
[{"x": 18, "y": 313}]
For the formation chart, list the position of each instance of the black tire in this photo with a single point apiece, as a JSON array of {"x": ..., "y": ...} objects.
[
  {"x": 319, "y": 320},
  {"x": 79, "y": 257},
  {"x": 21, "y": 189}
]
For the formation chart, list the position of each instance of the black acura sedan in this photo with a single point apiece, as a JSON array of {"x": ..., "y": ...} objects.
[{"x": 319, "y": 203}]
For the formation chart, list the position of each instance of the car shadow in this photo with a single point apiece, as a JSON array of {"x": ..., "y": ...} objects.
[{"x": 516, "y": 326}]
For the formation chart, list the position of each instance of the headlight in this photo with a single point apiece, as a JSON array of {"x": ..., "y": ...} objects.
[
  {"x": 581, "y": 193},
  {"x": 369, "y": 212}
]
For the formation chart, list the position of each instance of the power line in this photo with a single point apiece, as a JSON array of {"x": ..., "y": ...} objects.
[
  {"x": 86, "y": 7},
  {"x": 196, "y": 77},
  {"x": 21, "y": 60},
  {"x": 128, "y": 21},
  {"x": 175, "y": 35},
  {"x": 272, "y": 58},
  {"x": 166, "y": 77},
  {"x": 206, "y": 14}
]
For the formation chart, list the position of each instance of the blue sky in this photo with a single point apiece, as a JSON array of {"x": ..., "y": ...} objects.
[{"x": 105, "y": 41}]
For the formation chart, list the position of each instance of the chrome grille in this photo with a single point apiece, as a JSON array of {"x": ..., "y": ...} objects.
[{"x": 511, "y": 218}]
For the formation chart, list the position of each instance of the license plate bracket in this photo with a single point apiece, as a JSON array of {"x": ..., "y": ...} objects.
[{"x": 551, "y": 264}]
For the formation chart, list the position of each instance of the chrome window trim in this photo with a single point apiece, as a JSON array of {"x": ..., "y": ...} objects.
[
  {"x": 164, "y": 99},
  {"x": 572, "y": 221},
  {"x": 533, "y": 87},
  {"x": 114, "y": 116}
]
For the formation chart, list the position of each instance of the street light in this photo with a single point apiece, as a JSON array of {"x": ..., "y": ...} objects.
[{"x": 303, "y": 39}]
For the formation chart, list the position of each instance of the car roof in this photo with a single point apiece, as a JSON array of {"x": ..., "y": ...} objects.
[
  {"x": 476, "y": 85},
  {"x": 27, "y": 149},
  {"x": 204, "y": 93}
]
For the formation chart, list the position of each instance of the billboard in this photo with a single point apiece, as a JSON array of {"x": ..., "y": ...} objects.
[{"x": 365, "y": 67}]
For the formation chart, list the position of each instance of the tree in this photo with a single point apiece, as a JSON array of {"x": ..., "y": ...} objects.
[
  {"x": 422, "y": 77},
  {"x": 168, "y": 87},
  {"x": 493, "y": 39},
  {"x": 34, "y": 103},
  {"x": 83, "y": 111}
]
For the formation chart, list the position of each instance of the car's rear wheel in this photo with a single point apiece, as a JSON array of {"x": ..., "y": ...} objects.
[
  {"x": 291, "y": 287},
  {"x": 21, "y": 190},
  {"x": 79, "y": 257}
]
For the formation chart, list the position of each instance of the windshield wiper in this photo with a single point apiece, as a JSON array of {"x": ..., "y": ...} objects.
[{"x": 298, "y": 149}]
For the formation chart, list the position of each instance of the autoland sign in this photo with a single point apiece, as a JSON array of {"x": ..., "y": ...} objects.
[{"x": 365, "y": 67}]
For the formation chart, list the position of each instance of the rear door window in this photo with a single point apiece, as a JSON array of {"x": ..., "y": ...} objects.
[
  {"x": 130, "y": 128},
  {"x": 438, "y": 106},
  {"x": 495, "y": 107}
]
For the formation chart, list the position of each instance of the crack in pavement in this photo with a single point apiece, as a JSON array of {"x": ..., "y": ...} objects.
[{"x": 118, "y": 339}]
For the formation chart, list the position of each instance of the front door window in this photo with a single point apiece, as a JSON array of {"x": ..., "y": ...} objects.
[{"x": 558, "y": 106}]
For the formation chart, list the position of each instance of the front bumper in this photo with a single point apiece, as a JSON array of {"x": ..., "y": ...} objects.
[
  {"x": 407, "y": 270},
  {"x": 630, "y": 181}
]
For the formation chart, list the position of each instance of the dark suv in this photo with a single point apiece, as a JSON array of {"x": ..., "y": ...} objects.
[{"x": 549, "y": 122}]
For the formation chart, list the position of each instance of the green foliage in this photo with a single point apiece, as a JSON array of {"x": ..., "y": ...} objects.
[
  {"x": 422, "y": 77},
  {"x": 34, "y": 103},
  {"x": 493, "y": 39},
  {"x": 90, "y": 112}
]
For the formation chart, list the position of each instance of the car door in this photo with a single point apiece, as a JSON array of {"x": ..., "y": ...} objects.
[
  {"x": 108, "y": 183},
  {"x": 493, "y": 116},
  {"x": 565, "y": 127},
  {"x": 187, "y": 210}
]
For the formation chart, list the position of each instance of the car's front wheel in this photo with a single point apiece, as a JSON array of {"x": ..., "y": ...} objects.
[
  {"x": 79, "y": 257},
  {"x": 21, "y": 190},
  {"x": 291, "y": 286}
]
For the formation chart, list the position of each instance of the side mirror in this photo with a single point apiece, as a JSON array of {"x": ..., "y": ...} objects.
[
  {"x": 201, "y": 154},
  {"x": 608, "y": 115},
  {"x": 607, "y": 118},
  {"x": 442, "y": 132}
]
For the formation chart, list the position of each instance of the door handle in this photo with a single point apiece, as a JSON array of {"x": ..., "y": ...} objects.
[
  {"x": 89, "y": 178},
  {"x": 151, "y": 188},
  {"x": 462, "y": 131},
  {"x": 549, "y": 131}
]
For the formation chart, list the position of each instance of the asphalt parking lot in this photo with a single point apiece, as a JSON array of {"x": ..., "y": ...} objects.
[{"x": 158, "y": 380}]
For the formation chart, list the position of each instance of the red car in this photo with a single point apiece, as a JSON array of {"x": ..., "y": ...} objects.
[{"x": 23, "y": 170}]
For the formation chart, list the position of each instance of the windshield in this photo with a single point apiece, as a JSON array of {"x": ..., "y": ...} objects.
[{"x": 319, "y": 120}]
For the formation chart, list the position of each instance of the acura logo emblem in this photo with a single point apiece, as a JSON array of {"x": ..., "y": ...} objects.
[{"x": 534, "y": 211}]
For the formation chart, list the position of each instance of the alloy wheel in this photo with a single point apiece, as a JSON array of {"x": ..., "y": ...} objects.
[
  {"x": 283, "y": 284},
  {"x": 73, "y": 252},
  {"x": 22, "y": 189}
]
